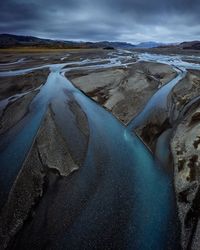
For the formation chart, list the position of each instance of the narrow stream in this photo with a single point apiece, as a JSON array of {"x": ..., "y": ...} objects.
[
  {"x": 159, "y": 102},
  {"x": 159, "y": 99}
]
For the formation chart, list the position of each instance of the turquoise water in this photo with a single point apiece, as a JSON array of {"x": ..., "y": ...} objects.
[
  {"x": 17, "y": 142},
  {"x": 134, "y": 195},
  {"x": 119, "y": 199},
  {"x": 124, "y": 198},
  {"x": 13, "y": 153}
]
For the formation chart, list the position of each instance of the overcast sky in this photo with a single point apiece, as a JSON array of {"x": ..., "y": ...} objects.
[{"x": 115, "y": 20}]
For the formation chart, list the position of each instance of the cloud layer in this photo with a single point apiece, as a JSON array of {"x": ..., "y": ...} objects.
[{"x": 115, "y": 20}]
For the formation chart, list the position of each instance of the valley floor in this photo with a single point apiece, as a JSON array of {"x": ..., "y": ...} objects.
[{"x": 155, "y": 96}]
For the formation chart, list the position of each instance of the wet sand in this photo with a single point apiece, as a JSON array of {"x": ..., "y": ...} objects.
[
  {"x": 49, "y": 158},
  {"x": 41, "y": 57},
  {"x": 18, "y": 84},
  {"x": 123, "y": 91}
]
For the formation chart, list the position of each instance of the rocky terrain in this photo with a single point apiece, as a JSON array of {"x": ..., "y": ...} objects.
[
  {"x": 186, "y": 153},
  {"x": 185, "y": 91}
]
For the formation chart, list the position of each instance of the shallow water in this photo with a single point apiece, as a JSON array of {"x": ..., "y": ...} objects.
[
  {"x": 120, "y": 198},
  {"x": 159, "y": 99},
  {"x": 15, "y": 144}
]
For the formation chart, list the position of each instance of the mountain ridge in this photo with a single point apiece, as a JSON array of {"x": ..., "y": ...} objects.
[
  {"x": 10, "y": 40},
  {"x": 17, "y": 41}
]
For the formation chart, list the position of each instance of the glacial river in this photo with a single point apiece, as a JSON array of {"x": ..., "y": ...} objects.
[{"x": 121, "y": 198}]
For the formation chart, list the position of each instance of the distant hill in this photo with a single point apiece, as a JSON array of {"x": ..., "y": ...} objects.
[
  {"x": 148, "y": 45},
  {"x": 193, "y": 45},
  {"x": 121, "y": 45},
  {"x": 190, "y": 45},
  {"x": 13, "y": 41}
]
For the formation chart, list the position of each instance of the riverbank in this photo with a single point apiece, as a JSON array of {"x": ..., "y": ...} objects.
[
  {"x": 13, "y": 60},
  {"x": 22, "y": 83},
  {"x": 186, "y": 154},
  {"x": 49, "y": 158},
  {"x": 123, "y": 91}
]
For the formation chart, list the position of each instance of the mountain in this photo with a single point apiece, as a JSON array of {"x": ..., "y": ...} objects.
[
  {"x": 13, "y": 41},
  {"x": 121, "y": 45},
  {"x": 190, "y": 45},
  {"x": 147, "y": 45},
  {"x": 10, "y": 41}
]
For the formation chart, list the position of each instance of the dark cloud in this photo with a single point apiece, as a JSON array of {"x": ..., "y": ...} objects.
[{"x": 122, "y": 20}]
